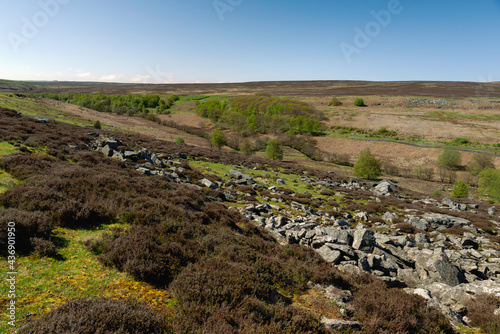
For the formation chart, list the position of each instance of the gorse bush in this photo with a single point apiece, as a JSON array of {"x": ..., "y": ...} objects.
[{"x": 359, "y": 102}]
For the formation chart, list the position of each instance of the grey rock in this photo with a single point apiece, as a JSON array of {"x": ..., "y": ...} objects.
[
  {"x": 340, "y": 325},
  {"x": 470, "y": 241},
  {"x": 419, "y": 223},
  {"x": 364, "y": 240},
  {"x": 241, "y": 178},
  {"x": 389, "y": 216},
  {"x": 421, "y": 238},
  {"x": 329, "y": 255},
  {"x": 209, "y": 184},
  {"x": 280, "y": 181},
  {"x": 144, "y": 171},
  {"x": 492, "y": 211}
]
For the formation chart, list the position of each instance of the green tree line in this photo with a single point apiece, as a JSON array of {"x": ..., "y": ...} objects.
[
  {"x": 120, "y": 104},
  {"x": 264, "y": 114}
]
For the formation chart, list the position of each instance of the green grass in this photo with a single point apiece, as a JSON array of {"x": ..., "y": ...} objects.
[
  {"x": 29, "y": 107},
  {"x": 451, "y": 114},
  {"x": 43, "y": 284},
  {"x": 6, "y": 180}
]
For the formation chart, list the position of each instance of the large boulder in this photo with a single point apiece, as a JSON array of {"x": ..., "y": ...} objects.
[
  {"x": 329, "y": 255},
  {"x": 435, "y": 266},
  {"x": 241, "y": 178},
  {"x": 341, "y": 326},
  {"x": 364, "y": 240}
]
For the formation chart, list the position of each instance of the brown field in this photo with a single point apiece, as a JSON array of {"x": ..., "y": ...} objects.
[{"x": 304, "y": 88}]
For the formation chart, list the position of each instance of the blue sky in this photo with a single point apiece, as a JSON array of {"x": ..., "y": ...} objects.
[{"x": 160, "y": 41}]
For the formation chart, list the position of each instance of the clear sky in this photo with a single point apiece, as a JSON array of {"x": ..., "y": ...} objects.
[{"x": 249, "y": 40}]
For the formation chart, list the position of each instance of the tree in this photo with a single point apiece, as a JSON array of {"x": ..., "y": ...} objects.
[
  {"x": 367, "y": 165},
  {"x": 179, "y": 140},
  {"x": 460, "y": 190},
  {"x": 218, "y": 139},
  {"x": 449, "y": 159},
  {"x": 97, "y": 125},
  {"x": 246, "y": 147},
  {"x": 479, "y": 163},
  {"x": 274, "y": 150},
  {"x": 489, "y": 182},
  {"x": 359, "y": 102}
]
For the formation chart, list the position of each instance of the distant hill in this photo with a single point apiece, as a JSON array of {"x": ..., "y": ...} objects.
[{"x": 280, "y": 88}]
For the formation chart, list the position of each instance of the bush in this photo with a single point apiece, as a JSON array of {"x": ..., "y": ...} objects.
[
  {"x": 97, "y": 125},
  {"x": 479, "y": 163},
  {"x": 489, "y": 183},
  {"x": 481, "y": 311},
  {"x": 460, "y": 190},
  {"x": 179, "y": 140},
  {"x": 359, "y": 102},
  {"x": 367, "y": 166},
  {"x": 335, "y": 102},
  {"x": 99, "y": 315},
  {"x": 30, "y": 229},
  {"x": 246, "y": 147},
  {"x": 449, "y": 159},
  {"x": 274, "y": 150},
  {"x": 383, "y": 310},
  {"x": 218, "y": 139}
]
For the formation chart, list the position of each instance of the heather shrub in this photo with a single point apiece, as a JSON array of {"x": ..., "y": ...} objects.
[
  {"x": 481, "y": 311},
  {"x": 99, "y": 315},
  {"x": 30, "y": 229},
  {"x": 384, "y": 310}
]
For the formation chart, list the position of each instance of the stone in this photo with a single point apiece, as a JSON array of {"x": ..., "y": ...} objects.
[
  {"x": 364, "y": 240},
  {"x": 329, "y": 255},
  {"x": 409, "y": 276},
  {"x": 157, "y": 161},
  {"x": 421, "y": 238},
  {"x": 470, "y": 241},
  {"x": 144, "y": 171},
  {"x": 421, "y": 224},
  {"x": 340, "y": 325},
  {"x": 385, "y": 187},
  {"x": 492, "y": 211},
  {"x": 241, "y": 178},
  {"x": 280, "y": 181},
  {"x": 209, "y": 184},
  {"x": 389, "y": 216}
]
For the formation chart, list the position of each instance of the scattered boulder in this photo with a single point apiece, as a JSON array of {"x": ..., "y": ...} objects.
[
  {"x": 209, "y": 184},
  {"x": 341, "y": 325},
  {"x": 241, "y": 178},
  {"x": 364, "y": 240}
]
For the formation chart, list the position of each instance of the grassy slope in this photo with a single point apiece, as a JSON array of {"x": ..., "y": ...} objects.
[{"x": 45, "y": 283}]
